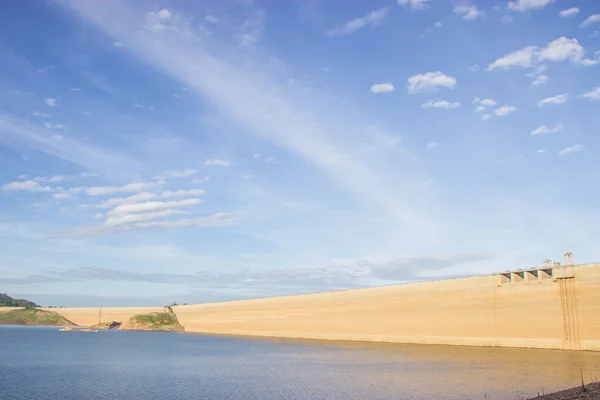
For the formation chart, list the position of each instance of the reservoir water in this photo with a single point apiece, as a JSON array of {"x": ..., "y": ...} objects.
[{"x": 43, "y": 363}]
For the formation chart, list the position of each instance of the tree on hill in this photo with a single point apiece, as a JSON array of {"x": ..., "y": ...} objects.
[{"x": 7, "y": 301}]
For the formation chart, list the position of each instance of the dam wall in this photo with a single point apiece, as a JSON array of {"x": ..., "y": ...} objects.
[{"x": 553, "y": 308}]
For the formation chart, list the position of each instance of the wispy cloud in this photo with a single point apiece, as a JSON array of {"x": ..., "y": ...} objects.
[
  {"x": 373, "y": 19},
  {"x": 50, "y": 102},
  {"x": 593, "y": 19},
  {"x": 592, "y": 94},
  {"x": 528, "y": 5},
  {"x": 558, "y": 99},
  {"x": 544, "y": 130},
  {"x": 177, "y": 173},
  {"x": 504, "y": 110},
  {"x": 297, "y": 122},
  {"x": 570, "y": 12},
  {"x": 183, "y": 192},
  {"x": 19, "y": 133},
  {"x": 104, "y": 190},
  {"x": 143, "y": 196},
  {"x": 570, "y": 150},
  {"x": 216, "y": 162},
  {"x": 539, "y": 80},
  {"x": 415, "y": 4},
  {"x": 468, "y": 11},
  {"x": 441, "y": 104},
  {"x": 28, "y": 186}
]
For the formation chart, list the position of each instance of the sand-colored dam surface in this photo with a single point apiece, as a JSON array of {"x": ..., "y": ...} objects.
[{"x": 557, "y": 308}]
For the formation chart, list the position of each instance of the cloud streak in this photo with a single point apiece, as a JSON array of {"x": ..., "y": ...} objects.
[{"x": 297, "y": 122}]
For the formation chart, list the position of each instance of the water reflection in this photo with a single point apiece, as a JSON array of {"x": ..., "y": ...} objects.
[{"x": 45, "y": 363}]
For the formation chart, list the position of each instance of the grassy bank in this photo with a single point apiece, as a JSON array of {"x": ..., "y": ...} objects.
[
  {"x": 33, "y": 316},
  {"x": 157, "y": 321}
]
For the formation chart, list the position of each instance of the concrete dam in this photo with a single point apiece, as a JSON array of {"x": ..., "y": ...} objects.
[{"x": 551, "y": 307}]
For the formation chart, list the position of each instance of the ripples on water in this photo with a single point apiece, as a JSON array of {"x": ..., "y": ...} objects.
[{"x": 42, "y": 363}]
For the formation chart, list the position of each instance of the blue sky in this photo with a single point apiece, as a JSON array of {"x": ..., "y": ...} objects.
[{"x": 198, "y": 151}]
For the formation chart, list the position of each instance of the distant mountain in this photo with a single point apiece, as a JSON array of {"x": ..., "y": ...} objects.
[{"x": 7, "y": 301}]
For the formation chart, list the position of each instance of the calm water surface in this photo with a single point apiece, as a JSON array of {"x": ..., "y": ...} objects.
[{"x": 42, "y": 363}]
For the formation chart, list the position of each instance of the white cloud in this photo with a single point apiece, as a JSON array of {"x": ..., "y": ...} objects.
[
  {"x": 136, "y": 198},
  {"x": 586, "y": 62},
  {"x": 438, "y": 24},
  {"x": 103, "y": 190},
  {"x": 441, "y": 104},
  {"x": 118, "y": 44},
  {"x": 479, "y": 109},
  {"x": 41, "y": 114},
  {"x": 504, "y": 111},
  {"x": 414, "y": 4},
  {"x": 592, "y": 94},
  {"x": 519, "y": 58},
  {"x": 372, "y": 20},
  {"x": 467, "y": 11},
  {"x": 120, "y": 219},
  {"x": 61, "y": 196},
  {"x": 177, "y": 173},
  {"x": 485, "y": 117},
  {"x": 561, "y": 49},
  {"x": 528, "y": 5},
  {"x": 570, "y": 150},
  {"x": 152, "y": 205},
  {"x": 201, "y": 180},
  {"x": 484, "y": 102},
  {"x": 559, "y": 99},
  {"x": 182, "y": 193},
  {"x": 474, "y": 68},
  {"x": 540, "y": 80},
  {"x": 429, "y": 82},
  {"x": 544, "y": 130},
  {"x": 593, "y": 19},
  {"x": 540, "y": 151},
  {"x": 50, "y": 102},
  {"x": 382, "y": 88},
  {"x": 433, "y": 145},
  {"x": 215, "y": 162},
  {"x": 569, "y": 12},
  {"x": 256, "y": 156},
  {"x": 28, "y": 186}
]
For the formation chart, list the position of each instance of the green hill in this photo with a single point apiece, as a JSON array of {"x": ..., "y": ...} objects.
[
  {"x": 157, "y": 321},
  {"x": 7, "y": 301},
  {"x": 33, "y": 316}
]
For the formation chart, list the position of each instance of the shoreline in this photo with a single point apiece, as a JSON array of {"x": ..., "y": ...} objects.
[{"x": 592, "y": 392}]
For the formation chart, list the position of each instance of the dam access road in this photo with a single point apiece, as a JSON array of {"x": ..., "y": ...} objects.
[{"x": 551, "y": 307}]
